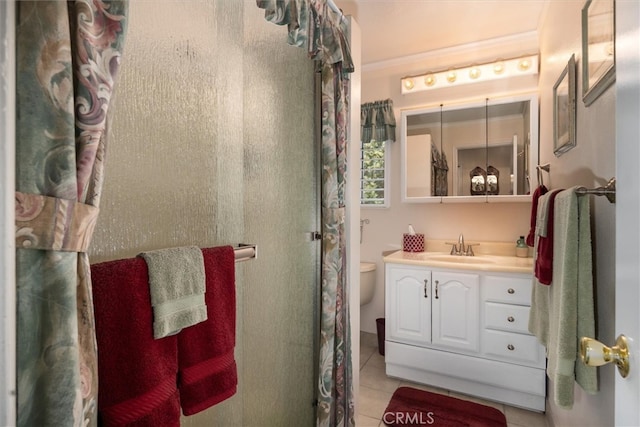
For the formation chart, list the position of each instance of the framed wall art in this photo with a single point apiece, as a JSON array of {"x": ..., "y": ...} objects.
[
  {"x": 598, "y": 48},
  {"x": 564, "y": 109}
]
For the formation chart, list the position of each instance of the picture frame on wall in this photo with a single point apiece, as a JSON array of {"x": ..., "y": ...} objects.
[
  {"x": 598, "y": 48},
  {"x": 564, "y": 109}
]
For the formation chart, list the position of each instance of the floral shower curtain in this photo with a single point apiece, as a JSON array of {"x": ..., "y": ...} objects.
[
  {"x": 335, "y": 401},
  {"x": 68, "y": 54},
  {"x": 312, "y": 24}
]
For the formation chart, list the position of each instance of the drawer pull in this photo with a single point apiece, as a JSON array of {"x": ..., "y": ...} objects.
[
  {"x": 437, "y": 283},
  {"x": 426, "y": 284},
  {"x": 511, "y": 347},
  {"x": 511, "y": 291},
  {"x": 510, "y": 319}
]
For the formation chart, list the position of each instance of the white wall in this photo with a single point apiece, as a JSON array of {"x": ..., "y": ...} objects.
[
  {"x": 591, "y": 163},
  {"x": 353, "y": 204}
]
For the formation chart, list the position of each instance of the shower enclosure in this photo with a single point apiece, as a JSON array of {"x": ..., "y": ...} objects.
[{"x": 212, "y": 143}]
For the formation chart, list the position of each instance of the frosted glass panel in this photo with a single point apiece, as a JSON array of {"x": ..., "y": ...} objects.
[
  {"x": 211, "y": 143},
  {"x": 279, "y": 200}
]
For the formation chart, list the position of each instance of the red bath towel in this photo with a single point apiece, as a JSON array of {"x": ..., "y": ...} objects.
[
  {"x": 543, "y": 268},
  {"x": 137, "y": 373},
  {"x": 531, "y": 237},
  {"x": 207, "y": 368}
]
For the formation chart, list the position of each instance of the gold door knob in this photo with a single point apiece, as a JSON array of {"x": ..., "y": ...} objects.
[{"x": 594, "y": 353}]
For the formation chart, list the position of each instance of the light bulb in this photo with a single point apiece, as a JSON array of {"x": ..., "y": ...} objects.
[
  {"x": 524, "y": 64},
  {"x": 451, "y": 76},
  {"x": 474, "y": 73},
  {"x": 408, "y": 84},
  {"x": 498, "y": 67},
  {"x": 430, "y": 80}
]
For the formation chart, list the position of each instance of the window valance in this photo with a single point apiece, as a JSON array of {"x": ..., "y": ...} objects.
[
  {"x": 377, "y": 121},
  {"x": 314, "y": 25}
]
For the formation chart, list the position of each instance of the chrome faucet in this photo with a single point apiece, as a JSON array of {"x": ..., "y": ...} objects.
[{"x": 462, "y": 250}]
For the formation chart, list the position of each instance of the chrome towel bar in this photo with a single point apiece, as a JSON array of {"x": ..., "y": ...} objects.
[
  {"x": 608, "y": 190},
  {"x": 245, "y": 251}
]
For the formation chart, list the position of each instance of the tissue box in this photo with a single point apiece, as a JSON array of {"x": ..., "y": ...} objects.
[{"x": 413, "y": 242}]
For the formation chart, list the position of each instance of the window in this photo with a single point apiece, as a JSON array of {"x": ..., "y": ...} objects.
[{"x": 373, "y": 175}]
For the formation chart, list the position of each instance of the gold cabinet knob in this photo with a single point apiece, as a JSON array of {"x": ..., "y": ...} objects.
[{"x": 594, "y": 353}]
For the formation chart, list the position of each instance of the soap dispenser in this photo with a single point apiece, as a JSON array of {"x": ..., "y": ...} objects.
[{"x": 522, "y": 250}]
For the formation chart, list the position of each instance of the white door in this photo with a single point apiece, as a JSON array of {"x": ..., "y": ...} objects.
[
  {"x": 408, "y": 304},
  {"x": 455, "y": 308},
  {"x": 627, "y": 391}
]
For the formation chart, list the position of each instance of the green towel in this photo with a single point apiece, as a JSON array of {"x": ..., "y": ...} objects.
[
  {"x": 177, "y": 287},
  {"x": 571, "y": 299},
  {"x": 540, "y": 293}
]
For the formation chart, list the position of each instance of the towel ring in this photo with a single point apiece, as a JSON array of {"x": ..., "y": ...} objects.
[{"x": 540, "y": 168}]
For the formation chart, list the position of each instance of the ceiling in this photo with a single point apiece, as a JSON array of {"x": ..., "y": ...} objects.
[{"x": 397, "y": 28}]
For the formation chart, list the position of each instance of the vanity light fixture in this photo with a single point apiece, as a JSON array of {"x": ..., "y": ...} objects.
[{"x": 499, "y": 69}]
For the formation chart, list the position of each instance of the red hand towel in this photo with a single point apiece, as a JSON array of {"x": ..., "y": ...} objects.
[
  {"x": 137, "y": 374},
  {"x": 207, "y": 368},
  {"x": 543, "y": 268},
  {"x": 531, "y": 237}
]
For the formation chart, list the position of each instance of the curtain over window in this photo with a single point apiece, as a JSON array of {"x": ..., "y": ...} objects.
[
  {"x": 68, "y": 54},
  {"x": 318, "y": 27},
  {"x": 377, "y": 121}
]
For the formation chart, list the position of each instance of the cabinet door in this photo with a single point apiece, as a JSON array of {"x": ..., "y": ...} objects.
[
  {"x": 455, "y": 308},
  {"x": 408, "y": 304}
]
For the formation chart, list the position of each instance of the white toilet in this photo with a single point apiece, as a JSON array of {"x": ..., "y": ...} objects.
[{"x": 367, "y": 281}]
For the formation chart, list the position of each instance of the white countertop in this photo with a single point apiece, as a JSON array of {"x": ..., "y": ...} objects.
[{"x": 483, "y": 262}]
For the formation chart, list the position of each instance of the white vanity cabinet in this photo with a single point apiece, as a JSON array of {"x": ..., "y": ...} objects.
[
  {"x": 427, "y": 307},
  {"x": 464, "y": 330}
]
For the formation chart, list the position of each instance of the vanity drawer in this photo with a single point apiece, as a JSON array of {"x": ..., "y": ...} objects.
[
  {"x": 506, "y": 317},
  {"x": 515, "y": 347},
  {"x": 510, "y": 290}
]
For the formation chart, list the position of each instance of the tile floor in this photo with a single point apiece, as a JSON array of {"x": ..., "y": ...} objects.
[{"x": 376, "y": 390}]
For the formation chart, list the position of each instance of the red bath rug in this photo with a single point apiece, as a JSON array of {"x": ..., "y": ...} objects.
[{"x": 412, "y": 407}]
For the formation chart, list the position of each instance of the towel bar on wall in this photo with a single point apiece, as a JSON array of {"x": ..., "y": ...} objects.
[
  {"x": 608, "y": 190},
  {"x": 245, "y": 251}
]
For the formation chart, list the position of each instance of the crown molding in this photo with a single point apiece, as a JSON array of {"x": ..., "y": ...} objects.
[{"x": 520, "y": 39}]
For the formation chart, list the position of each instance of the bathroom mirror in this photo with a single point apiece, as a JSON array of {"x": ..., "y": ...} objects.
[{"x": 473, "y": 152}]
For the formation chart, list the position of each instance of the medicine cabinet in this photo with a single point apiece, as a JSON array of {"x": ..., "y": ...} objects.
[{"x": 481, "y": 151}]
